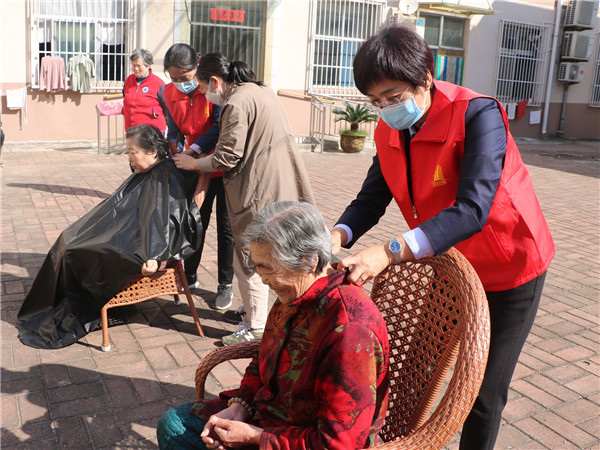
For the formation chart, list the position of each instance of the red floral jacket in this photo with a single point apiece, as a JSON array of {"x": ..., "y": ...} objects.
[{"x": 321, "y": 379}]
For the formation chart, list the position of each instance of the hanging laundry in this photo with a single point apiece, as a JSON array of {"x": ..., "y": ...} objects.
[
  {"x": 17, "y": 99},
  {"x": 80, "y": 69},
  {"x": 53, "y": 77},
  {"x": 521, "y": 108},
  {"x": 511, "y": 110}
]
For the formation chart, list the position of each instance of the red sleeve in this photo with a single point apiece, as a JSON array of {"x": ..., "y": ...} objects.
[{"x": 346, "y": 388}]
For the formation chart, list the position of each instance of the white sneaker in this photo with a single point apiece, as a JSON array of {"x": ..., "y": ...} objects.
[
  {"x": 242, "y": 334},
  {"x": 224, "y": 296}
]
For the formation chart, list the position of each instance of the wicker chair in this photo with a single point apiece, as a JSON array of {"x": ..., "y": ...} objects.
[
  {"x": 170, "y": 281},
  {"x": 437, "y": 316}
]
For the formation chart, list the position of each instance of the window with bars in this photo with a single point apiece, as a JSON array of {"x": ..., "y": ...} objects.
[
  {"x": 446, "y": 38},
  {"x": 522, "y": 50},
  {"x": 102, "y": 30},
  {"x": 595, "y": 97},
  {"x": 234, "y": 28},
  {"x": 338, "y": 28}
]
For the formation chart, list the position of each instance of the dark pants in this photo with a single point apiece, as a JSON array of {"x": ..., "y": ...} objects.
[
  {"x": 512, "y": 314},
  {"x": 224, "y": 236}
]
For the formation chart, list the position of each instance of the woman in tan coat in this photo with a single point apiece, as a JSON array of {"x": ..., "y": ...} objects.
[{"x": 261, "y": 164}]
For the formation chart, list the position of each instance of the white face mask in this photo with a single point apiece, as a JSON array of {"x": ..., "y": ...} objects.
[{"x": 214, "y": 97}]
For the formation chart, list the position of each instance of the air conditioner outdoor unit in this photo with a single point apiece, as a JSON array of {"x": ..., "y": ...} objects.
[
  {"x": 570, "y": 72},
  {"x": 581, "y": 14},
  {"x": 577, "y": 45}
]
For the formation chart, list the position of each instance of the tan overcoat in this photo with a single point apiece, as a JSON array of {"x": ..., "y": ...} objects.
[{"x": 258, "y": 154}]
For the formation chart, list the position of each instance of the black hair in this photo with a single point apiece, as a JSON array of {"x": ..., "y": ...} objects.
[
  {"x": 181, "y": 56},
  {"x": 217, "y": 65},
  {"x": 150, "y": 139},
  {"x": 395, "y": 53}
]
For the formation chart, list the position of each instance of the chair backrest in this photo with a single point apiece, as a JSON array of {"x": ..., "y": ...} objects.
[{"x": 437, "y": 315}]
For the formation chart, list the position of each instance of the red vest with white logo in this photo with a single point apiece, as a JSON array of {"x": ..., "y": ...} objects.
[
  {"x": 140, "y": 103},
  {"x": 192, "y": 115},
  {"x": 515, "y": 244}
]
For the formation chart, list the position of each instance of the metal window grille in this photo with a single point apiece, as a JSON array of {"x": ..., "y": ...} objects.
[
  {"x": 234, "y": 28},
  {"x": 338, "y": 28},
  {"x": 595, "y": 97},
  {"x": 104, "y": 30},
  {"x": 522, "y": 58},
  {"x": 446, "y": 36}
]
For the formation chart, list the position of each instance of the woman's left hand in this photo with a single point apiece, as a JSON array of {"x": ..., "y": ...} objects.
[
  {"x": 185, "y": 162},
  {"x": 231, "y": 433},
  {"x": 366, "y": 264}
]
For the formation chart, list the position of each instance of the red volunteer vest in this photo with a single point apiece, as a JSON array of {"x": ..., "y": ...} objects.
[
  {"x": 515, "y": 244},
  {"x": 140, "y": 104},
  {"x": 193, "y": 115}
]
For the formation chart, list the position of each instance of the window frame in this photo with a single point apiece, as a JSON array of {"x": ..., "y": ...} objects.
[
  {"x": 88, "y": 39},
  {"x": 519, "y": 86},
  {"x": 333, "y": 74}
]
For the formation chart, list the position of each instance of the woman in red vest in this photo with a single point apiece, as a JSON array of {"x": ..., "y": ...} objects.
[
  {"x": 143, "y": 99},
  {"x": 445, "y": 155},
  {"x": 194, "y": 119}
]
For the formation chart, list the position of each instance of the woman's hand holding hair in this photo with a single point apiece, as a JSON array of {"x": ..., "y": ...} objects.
[{"x": 366, "y": 264}]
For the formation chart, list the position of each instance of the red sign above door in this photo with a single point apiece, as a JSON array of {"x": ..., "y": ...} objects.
[{"x": 227, "y": 15}]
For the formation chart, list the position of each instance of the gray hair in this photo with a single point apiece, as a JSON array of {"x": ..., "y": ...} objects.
[
  {"x": 296, "y": 233},
  {"x": 144, "y": 55}
]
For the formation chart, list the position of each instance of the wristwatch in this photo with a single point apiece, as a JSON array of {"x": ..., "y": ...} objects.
[{"x": 396, "y": 248}]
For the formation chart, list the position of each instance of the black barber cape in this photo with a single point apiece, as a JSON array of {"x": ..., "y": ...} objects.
[{"x": 151, "y": 215}]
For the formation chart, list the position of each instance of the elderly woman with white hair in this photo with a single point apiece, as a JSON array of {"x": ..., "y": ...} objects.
[{"x": 320, "y": 379}]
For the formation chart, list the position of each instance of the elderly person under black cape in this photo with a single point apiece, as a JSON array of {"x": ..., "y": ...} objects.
[{"x": 151, "y": 217}]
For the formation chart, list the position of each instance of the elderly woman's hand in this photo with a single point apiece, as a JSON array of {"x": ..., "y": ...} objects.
[
  {"x": 230, "y": 433},
  {"x": 149, "y": 267}
]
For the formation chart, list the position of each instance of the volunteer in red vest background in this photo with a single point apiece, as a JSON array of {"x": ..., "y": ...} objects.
[
  {"x": 445, "y": 155},
  {"x": 143, "y": 101},
  {"x": 195, "y": 119}
]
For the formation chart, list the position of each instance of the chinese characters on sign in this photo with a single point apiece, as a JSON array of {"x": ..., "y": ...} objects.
[{"x": 227, "y": 15}]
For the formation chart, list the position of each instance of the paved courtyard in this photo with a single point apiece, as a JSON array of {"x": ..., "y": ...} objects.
[{"x": 82, "y": 398}]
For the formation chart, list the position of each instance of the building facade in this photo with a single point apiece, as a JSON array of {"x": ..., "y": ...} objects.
[{"x": 540, "y": 59}]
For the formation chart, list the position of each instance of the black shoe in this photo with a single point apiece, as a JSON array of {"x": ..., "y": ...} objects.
[
  {"x": 192, "y": 281},
  {"x": 236, "y": 316}
]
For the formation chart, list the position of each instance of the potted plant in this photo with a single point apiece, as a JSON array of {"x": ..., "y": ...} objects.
[{"x": 353, "y": 140}]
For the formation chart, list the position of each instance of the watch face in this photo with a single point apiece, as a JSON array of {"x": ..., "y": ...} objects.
[{"x": 395, "y": 246}]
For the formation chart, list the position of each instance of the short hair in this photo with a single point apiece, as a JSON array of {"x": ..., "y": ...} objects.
[
  {"x": 150, "y": 139},
  {"x": 296, "y": 233},
  {"x": 144, "y": 55},
  {"x": 396, "y": 53},
  {"x": 182, "y": 56}
]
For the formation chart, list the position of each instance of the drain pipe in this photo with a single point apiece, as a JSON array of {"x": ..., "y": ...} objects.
[{"x": 550, "y": 81}]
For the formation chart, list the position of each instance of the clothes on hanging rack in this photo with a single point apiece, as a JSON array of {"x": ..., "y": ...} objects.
[
  {"x": 81, "y": 70},
  {"x": 53, "y": 77}
]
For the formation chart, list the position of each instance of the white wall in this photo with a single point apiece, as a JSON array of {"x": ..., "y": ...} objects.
[{"x": 14, "y": 38}]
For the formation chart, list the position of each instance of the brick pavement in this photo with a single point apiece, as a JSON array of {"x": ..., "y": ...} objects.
[{"x": 80, "y": 397}]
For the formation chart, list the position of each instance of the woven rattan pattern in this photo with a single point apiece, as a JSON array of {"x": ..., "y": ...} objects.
[
  {"x": 436, "y": 312},
  {"x": 142, "y": 288}
]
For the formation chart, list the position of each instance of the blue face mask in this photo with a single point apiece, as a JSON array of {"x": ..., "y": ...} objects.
[
  {"x": 187, "y": 86},
  {"x": 403, "y": 115}
]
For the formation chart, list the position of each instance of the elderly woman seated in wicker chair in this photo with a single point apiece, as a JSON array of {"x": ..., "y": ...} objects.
[
  {"x": 151, "y": 217},
  {"x": 320, "y": 379}
]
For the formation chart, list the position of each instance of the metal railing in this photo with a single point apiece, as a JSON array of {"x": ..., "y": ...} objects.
[{"x": 322, "y": 119}]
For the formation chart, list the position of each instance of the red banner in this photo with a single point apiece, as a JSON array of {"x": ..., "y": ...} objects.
[{"x": 227, "y": 15}]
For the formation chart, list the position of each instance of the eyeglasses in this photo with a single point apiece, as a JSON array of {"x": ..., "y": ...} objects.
[{"x": 392, "y": 100}]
